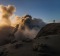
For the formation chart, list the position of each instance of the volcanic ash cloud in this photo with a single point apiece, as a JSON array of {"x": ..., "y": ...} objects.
[{"x": 5, "y": 13}]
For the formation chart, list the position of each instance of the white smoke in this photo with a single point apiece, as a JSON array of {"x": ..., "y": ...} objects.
[
  {"x": 28, "y": 26},
  {"x": 6, "y": 12}
]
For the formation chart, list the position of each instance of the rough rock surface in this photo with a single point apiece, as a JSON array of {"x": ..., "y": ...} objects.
[
  {"x": 47, "y": 41},
  {"x": 49, "y": 29},
  {"x": 44, "y": 45}
]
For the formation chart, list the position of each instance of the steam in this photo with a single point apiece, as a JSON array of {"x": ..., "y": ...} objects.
[
  {"x": 6, "y": 12},
  {"x": 28, "y": 26}
]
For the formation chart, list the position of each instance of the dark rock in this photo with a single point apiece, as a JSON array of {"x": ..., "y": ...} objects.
[
  {"x": 49, "y": 29},
  {"x": 17, "y": 44},
  {"x": 27, "y": 40}
]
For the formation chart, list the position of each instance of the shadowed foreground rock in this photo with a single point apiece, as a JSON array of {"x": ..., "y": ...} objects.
[
  {"x": 43, "y": 45},
  {"x": 49, "y": 29},
  {"x": 47, "y": 41}
]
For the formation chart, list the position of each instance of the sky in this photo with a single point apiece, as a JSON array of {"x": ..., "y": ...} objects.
[{"x": 47, "y": 10}]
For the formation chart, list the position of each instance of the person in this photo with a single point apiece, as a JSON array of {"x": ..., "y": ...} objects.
[{"x": 53, "y": 21}]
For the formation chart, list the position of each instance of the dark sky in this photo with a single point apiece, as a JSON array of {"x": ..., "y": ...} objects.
[{"x": 48, "y": 10}]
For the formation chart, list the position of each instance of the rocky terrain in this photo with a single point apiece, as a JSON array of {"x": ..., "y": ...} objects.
[
  {"x": 46, "y": 43},
  {"x": 49, "y": 29}
]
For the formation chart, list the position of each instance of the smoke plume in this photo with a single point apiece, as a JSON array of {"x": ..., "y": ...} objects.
[
  {"x": 6, "y": 12},
  {"x": 28, "y": 26}
]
